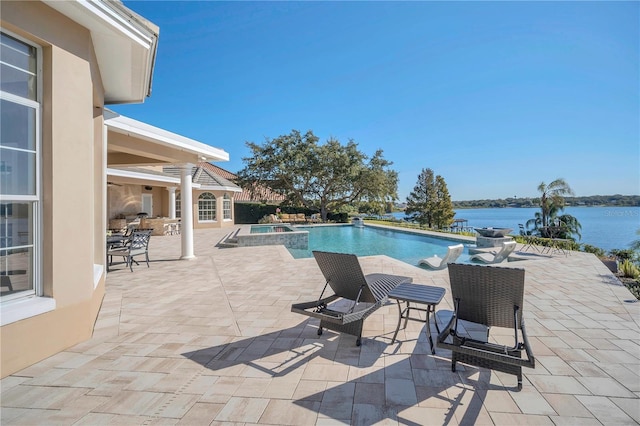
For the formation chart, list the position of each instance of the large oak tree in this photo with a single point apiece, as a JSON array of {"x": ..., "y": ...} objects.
[{"x": 319, "y": 176}]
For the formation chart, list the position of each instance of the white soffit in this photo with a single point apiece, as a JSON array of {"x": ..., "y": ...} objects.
[
  {"x": 130, "y": 174},
  {"x": 125, "y": 45},
  {"x": 130, "y": 127}
]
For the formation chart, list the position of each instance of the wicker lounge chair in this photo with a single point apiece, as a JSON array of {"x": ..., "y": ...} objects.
[
  {"x": 500, "y": 256},
  {"x": 492, "y": 297},
  {"x": 436, "y": 263},
  {"x": 355, "y": 297}
]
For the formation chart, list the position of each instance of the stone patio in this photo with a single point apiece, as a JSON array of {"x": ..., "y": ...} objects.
[{"x": 213, "y": 341}]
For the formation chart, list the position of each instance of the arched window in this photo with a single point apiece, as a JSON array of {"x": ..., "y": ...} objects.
[
  {"x": 206, "y": 207},
  {"x": 178, "y": 206},
  {"x": 226, "y": 207}
]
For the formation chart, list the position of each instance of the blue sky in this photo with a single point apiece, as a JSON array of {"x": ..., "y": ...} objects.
[{"x": 494, "y": 96}]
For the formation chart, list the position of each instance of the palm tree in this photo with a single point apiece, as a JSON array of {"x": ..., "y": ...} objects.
[
  {"x": 552, "y": 198},
  {"x": 569, "y": 226}
]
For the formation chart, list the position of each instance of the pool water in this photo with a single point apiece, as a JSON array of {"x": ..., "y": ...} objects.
[
  {"x": 266, "y": 229},
  {"x": 369, "y": 241}
]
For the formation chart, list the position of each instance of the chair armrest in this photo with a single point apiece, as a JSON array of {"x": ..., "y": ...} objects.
[{"x": 527, "y": 346}]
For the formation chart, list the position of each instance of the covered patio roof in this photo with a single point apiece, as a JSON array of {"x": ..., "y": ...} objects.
[{"x": 134, "y": 143}]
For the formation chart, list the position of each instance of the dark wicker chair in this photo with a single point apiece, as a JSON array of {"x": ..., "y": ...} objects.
[
  {"x": 493, "y": 297},
  {"x": 355, "y": 297}
]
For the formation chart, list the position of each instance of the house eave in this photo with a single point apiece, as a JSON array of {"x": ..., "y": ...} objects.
[{"x": 125, "y": 45}]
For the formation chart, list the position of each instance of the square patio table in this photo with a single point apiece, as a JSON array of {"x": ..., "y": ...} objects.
[{"x": 419, "y": 294}]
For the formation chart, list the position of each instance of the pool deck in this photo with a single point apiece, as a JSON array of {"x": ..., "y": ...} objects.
[{"x": 213, "y": 341}]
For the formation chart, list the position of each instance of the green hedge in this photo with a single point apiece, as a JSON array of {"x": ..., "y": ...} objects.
[{"x": 252, "y": 213}]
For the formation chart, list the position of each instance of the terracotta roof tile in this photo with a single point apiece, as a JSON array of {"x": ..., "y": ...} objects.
[{"x": 262, "y": 193}]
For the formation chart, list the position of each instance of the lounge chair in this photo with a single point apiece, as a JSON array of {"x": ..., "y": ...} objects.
[
  {"x": 500, "y": 256},
  {"x": 529, "y": 240},
  {"x": 436, "y": 263},
  {"x": 490, "y": 297},
  {"x": 355, "y": 297}
]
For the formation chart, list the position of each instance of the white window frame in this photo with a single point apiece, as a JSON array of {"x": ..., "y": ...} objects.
[
  {"x": 213, "y": 202},
  {"x": 28, "y": 303},
  {"x": 178, "y": 205},
  {"x": 226, "y": 208}
]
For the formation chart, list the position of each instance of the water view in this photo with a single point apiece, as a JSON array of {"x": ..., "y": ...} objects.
[{"x": 604, "y": 227}]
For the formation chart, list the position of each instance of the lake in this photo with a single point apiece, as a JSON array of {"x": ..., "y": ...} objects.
[{"x": 604, "y": 227}]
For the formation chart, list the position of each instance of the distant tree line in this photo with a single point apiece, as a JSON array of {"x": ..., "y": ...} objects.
[{"x": 592, "y": 200}]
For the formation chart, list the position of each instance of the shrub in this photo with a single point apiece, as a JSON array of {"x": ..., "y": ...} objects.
[
  {"x": 629, "y": 269},
  {"x": 587, "y": 248},
  {"x": 622, "y": 255},
  {"x": 634, "y": 288}
]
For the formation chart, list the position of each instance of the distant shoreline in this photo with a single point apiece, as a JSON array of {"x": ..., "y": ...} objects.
[{"x": 616, "y": 200}]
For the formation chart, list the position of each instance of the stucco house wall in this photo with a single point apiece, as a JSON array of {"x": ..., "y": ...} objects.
[
  {"x": 220, "y": 222},
  {"x": 71, "y": 149}
]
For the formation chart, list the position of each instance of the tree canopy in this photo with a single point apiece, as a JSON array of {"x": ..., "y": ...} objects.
[
  {"x": 429, "y": 203},
  {"x": 321, "y": 177}
]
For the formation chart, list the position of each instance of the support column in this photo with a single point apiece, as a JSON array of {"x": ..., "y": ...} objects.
[
  {"x": 186, "y": 212},
  {"x": 172, "y": 202}
]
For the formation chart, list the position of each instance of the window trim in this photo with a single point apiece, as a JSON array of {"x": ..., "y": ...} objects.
[
  {"x": 178, "y": 205},
  {"x": 215, "y": 207},
  {"x": 227, "y": 199},
  {"x": 34, "y": 303}
]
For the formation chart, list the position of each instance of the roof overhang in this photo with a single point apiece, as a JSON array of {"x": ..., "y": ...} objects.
[
  {"x": 134, "y": 143},
  {"x": 128, "y": 177},
  {"x": 125, "y": 45},
  {"x": 133, "y": 177}
]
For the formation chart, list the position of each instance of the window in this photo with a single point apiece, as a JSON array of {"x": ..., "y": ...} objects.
[
  {"x": 206, "y": 207},
  {"x": 226, "y": 207},
  {"x": 19, "y": 167},
  {"x": 178, "y": 206}
]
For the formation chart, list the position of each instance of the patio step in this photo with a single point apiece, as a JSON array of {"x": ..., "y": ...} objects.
[{"x": 229, "y": 240}]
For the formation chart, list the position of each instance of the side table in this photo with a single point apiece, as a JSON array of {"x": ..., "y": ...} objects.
[{"x": 417, "y": 294}]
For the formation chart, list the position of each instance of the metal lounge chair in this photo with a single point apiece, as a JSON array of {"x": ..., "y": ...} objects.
[
  {"x": 136, "y": 245},
  {"x": 500, "y": 256},
  {"x": 492, "y": 297},
  {"x": 437, "y": 263},
  {"x": 355, "y": 297},
  {"x": 529, "y": 240}
]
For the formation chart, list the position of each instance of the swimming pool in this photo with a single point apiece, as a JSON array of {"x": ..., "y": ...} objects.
[
  {"x": 370, "y": 241},
  {"x": 266, "y": 229}
]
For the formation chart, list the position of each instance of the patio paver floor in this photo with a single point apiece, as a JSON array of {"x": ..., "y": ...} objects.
[{"x": 212, "y": 341}]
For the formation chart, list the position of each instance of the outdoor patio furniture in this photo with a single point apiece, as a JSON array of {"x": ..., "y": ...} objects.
[
  {"x": 496, "y": 257},
  {"x": 437, "y": 263},
  {"x": 529, "y": 240},
  {"x": 136, "y": 245},
  {"x": 490, "y": 297},
  {"x": 355, "y": 297},
  {"x": 418, "y": 294}
]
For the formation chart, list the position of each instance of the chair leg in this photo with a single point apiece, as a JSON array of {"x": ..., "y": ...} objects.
[
  {"x": 130, "y": 262},
  {"x": 519, "y": 381},
  {"x": 147, "y": 256}
]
